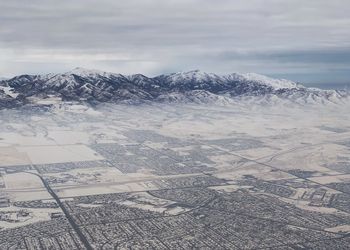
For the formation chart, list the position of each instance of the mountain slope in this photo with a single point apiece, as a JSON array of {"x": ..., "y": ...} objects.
[{"x": 193, "y": 86}]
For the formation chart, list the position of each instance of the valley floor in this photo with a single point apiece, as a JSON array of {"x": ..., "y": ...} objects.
[{"x": 175, "y": 177}]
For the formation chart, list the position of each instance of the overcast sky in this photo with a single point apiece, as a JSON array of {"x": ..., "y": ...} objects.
[{"x": 307, "y": 41}]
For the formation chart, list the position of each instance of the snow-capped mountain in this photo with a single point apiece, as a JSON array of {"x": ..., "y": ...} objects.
[{"x": 193, "y": 86}]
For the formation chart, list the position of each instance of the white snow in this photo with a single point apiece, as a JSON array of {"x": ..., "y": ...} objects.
[
  {"x": 193, "y": 74},
  {"x": 275, "y": 83},
  {"x": 9, "y": 91},
  {"x": 87, "y": 72},
  {"x": 198, "y": 75}
]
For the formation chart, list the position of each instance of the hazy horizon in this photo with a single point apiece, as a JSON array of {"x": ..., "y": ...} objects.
[{"x": 302, "y": 41}]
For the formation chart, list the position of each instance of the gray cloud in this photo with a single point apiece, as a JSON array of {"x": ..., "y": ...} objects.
[{"x": 273, "y": 37}]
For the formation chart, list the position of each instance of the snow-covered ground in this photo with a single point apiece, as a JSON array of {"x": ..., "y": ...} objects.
[
  {"x": 238, "y": 139},
  {"x": 9, "y": 91}
]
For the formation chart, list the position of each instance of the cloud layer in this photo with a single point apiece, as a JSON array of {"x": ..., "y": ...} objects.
[{"x": 302, "y": 40}]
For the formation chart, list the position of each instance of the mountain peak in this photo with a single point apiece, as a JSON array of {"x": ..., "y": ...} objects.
[
  {"x": 272, "y": 82},
  {"x": 194, "y": 75},
  {"x": 86, "y": 72}
]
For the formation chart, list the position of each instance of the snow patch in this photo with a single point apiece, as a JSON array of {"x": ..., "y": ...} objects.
[{"x": 9, "y": 91}]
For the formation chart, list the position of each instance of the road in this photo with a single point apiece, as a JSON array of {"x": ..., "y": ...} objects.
[{"x": 66, "y": 213}]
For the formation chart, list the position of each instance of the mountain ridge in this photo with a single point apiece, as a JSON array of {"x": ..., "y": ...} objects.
[{"x": 93, "y": 86}]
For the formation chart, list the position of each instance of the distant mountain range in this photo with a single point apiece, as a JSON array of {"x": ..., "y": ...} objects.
[{"x": 92, "y": 86}]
